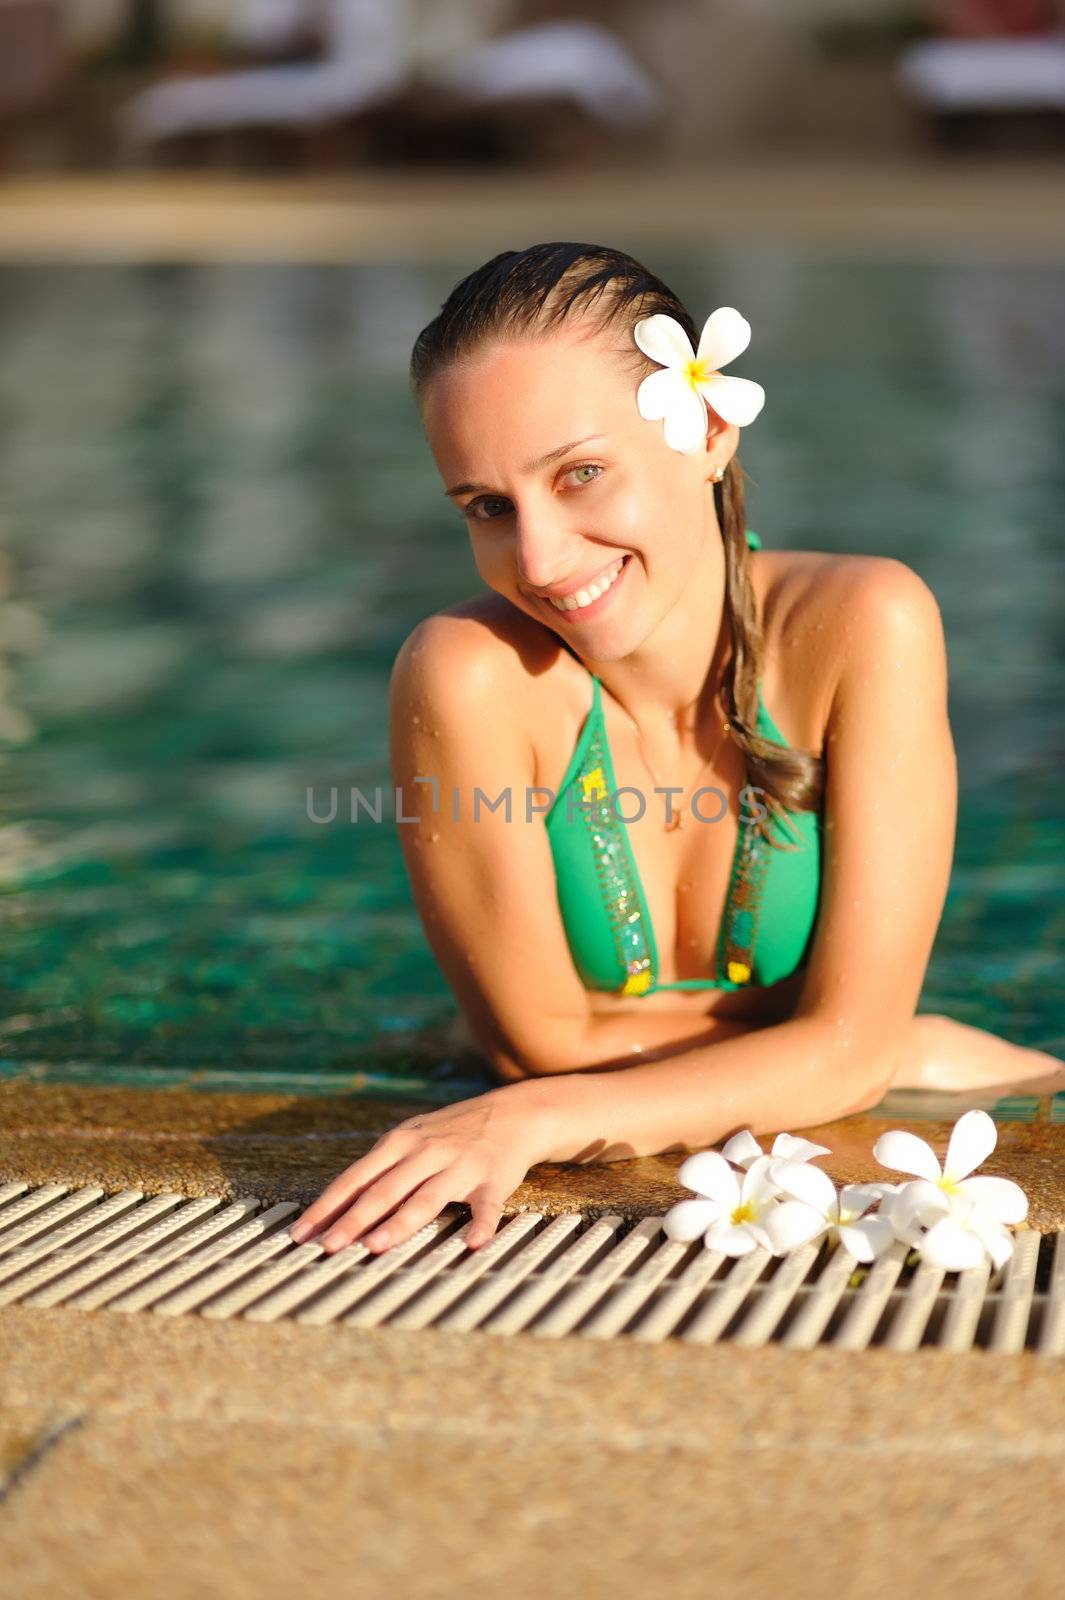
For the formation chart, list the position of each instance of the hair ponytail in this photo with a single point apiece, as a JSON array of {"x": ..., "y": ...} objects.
[{"x": 792, "y": 780}]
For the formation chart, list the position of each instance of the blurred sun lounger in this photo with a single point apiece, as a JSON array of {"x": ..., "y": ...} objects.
[
  {"x": 367, "y": 62},
  {"x": 986, "y": 75}
]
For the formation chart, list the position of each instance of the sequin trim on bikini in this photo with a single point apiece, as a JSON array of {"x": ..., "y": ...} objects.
[
  {"x": 739, "y": 929},
  {"x": 616, "y": 881}
]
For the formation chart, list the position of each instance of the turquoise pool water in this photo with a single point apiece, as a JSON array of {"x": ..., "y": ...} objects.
[{"x": 219, "y": 505}]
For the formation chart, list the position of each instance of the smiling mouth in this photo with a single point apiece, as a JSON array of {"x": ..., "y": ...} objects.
[{"x": 591, "y": 592}]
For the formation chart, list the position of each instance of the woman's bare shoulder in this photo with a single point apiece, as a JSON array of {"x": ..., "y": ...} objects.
[
  {"x": 813, "y": 605},
  {"x": 809, "y": 578},
  {"x": 482, "y": 641},
  {"x": 799, "y": 587}
]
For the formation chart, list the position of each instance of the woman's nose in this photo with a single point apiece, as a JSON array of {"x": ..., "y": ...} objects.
[{"x": 546, "y": 548}]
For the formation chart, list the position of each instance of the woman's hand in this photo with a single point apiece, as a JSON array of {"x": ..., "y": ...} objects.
[{"x": 477, "y": 1151}]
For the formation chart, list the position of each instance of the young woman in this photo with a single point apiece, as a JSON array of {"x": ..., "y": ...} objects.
[{"x": 731, "y": 776}]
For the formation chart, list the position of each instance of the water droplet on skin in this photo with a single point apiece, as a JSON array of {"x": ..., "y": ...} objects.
[
  {"x": 433, "y": 837},
  {"x": 416, "y": 720}
]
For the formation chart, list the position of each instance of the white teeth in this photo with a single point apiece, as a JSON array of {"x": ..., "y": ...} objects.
[{"x": 584, "y": 597}]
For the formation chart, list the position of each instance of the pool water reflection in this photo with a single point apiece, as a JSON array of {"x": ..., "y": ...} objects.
[{"x": 220, "y": 504}]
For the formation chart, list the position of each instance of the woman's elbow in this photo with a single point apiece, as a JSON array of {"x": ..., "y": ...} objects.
[
  {"x": 507, "y": 1070},
  {"x": 870, "y": 1096},
  {"x": 870, "y": 1066},
  {"x": 513, "y": 1060},
  {"x": 513, "y": 1069}
]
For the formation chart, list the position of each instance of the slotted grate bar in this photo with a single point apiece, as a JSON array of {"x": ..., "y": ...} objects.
[
  {"x": 1014, "y": 1307},
  {"x": 912, "y": 1314},
  {"x": 551, "y": 1278},
  {"x": 117, "y": 1291},
  {"x": 817, "y": 1309},
  {"x": 582, "y": 1297},
  {"x": 94, "y": 1258},
  {"x": 403, "y": 1285},
  {"x": 662, "y": 1321},
  {"x": 543, "y": 1287},
  {"x": 474, "y": 1311},
  {"x": 354, "y": 1287},
  {"x": 725, "y": 1299},
  {"x": 627, "y": 1299},
  {"x": 964, "y": 1309},
  {"x": 430, "y": 1307},
  {"x": 766, "y": 1313},
  {"x": 868, "y": 1306},
  {"x": 194, "y": 1270},
  {"x": 1052, "y": 1335}
]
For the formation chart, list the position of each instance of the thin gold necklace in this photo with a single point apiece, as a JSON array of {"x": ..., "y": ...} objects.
[{"x": 675, "y": 821}]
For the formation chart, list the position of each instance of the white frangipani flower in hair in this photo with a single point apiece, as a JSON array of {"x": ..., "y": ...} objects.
[
  {"x": 813, "y": 1207},
  {"x": 690, "y": 379},
  {"x": 732, "y": 1209},
  {"x": 743, "y": 1148}
]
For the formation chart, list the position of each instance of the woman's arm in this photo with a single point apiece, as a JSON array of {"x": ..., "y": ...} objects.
[
  {"x": 791, "y": 1075},
  {"x": 889, "y": 829},
  {"x": 636, "y": 1038},
  {"x": 890, "y": 806}
]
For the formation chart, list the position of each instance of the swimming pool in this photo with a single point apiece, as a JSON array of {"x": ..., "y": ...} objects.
[{"x": 219, "y": 503}]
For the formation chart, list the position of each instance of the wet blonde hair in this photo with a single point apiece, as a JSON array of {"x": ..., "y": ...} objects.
[{"x": 519, "y": 292}]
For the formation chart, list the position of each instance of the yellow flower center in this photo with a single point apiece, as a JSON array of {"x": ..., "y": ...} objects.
[
  {"x": 696, "y": 372},
  {"x": 948, "y": 1184},
  {"x": 743, "y": 1213}
]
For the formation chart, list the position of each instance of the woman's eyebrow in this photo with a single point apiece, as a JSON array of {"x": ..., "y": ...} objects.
[{"x": 533, "y": 466}]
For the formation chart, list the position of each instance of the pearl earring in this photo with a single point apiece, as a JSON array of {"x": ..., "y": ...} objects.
[{"x": 719, "y": 474}]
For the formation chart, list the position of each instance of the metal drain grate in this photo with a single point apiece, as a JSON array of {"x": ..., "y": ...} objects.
[{"x": 548, "y": 1277}]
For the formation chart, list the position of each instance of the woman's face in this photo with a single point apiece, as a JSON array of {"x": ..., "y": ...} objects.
[{"x": 563, "y": 485}]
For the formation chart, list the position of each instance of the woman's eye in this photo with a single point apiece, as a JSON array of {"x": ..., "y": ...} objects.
[
  {"x": 476, "y": 508},
  {"x": 587, "y": 467}
]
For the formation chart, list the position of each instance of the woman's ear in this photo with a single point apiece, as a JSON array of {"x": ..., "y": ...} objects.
[{"x": 722, "y": 442}]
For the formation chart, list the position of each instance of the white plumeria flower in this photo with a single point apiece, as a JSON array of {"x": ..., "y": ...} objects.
[
  {"x": 960, "y": 1233},
  {"x": 690, "y": 378},
  {"x": 743, "y": 1148},
  {"x": 731, "y": 1211},
  {"x": 972, "y": 1140},
  {"x": 952, "y": 1218},
  {"x": 813, "y": 1207}
]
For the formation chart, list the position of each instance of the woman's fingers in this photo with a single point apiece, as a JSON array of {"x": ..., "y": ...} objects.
[
  {"x": 477, "y": 1150},
  {"x": 378, "y": 1199},
  {"x": 486, "y": 1204},
  {"x": 421, "y": 1208},
  {"x": 385, "y": 1155}
]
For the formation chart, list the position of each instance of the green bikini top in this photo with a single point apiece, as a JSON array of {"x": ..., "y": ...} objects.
[{"x": 771, "y": 903}]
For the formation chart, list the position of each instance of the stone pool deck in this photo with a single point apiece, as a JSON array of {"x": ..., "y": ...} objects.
[
  {"x": 886, "y": 207},
  {"x": 184, "y": 1457}
]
